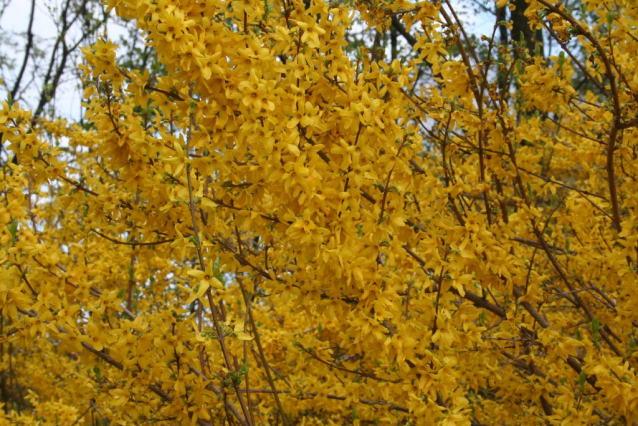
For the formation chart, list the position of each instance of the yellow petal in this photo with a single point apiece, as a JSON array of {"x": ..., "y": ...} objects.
[
  {"x": 207, "y": 202},
  {"x": 244, "y": 336},
  {"x": 217, "y": 284},
  {"x": 196, "y": 273}
]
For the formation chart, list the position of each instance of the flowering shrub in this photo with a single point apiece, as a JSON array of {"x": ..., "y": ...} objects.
[{"x": 279, "y": 232}]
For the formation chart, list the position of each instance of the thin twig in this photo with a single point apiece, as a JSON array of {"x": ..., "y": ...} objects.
[
  {"x": 253, "y": 326},
  {"x": 135, "y": 243}
]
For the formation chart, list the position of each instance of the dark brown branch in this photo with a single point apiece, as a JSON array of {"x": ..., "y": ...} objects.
[
  {"x": 27, "y": 53},
  {"x": 536, "y": 244},
  {"x": 70, "y": 181},
  {"x": 400, "y": 28},
  {"x": 262, "y": 356},
  {"x": 472, "y": 297},
  {"x": 337, "y": 367},
  {"x": 136, "y": 243},
  {"x": 613, "y": 134},
  {"x": 580, "y": 191}
]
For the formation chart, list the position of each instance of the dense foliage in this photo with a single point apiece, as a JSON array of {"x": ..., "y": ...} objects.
[{"x": 279, "y": 228}]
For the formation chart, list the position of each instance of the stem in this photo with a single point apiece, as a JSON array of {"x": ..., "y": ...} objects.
[
  {"x": 261, "y": 350},
  {"x": 209, "y": 293},
  {"x": 27, "y": 51}
]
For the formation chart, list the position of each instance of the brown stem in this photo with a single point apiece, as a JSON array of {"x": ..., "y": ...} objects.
[
  {"x": 131, "y": 283},
  {"x": 136, "y": 243},
  {"x": 337, "y": 367},
  {"x": 27, "y": 53},
  {"x": 472, "y": 297},
  {"x": 262, "y": 356},
  {"x": 611, "y": 144},
  {"x": 81, "y": 415},
  {"x": 202, "y": 264}
]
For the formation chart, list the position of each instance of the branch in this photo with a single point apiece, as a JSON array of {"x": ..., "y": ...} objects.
[
  {"x": 613, "y": 135},
  {"x": 200, "y": 257},
  {"x": 70, "y": 181},
  {"x": 472, "y": 297},
  {"x": 536, "y": 244},
  {"x": 397, "y": 25},
  {"x": 126, "y": 243},
  {"x": 111, "y": 361},
  {"x": 358, "y": 373},
  {"x": 27, "y": 51},
  {"x": 580, "y": 191},
  {"x": 260, "y": 348}
]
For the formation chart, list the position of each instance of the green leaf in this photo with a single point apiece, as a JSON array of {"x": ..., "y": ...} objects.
[{"x": 13, "y": 230}]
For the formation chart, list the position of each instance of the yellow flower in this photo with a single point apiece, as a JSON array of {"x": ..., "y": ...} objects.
[
  {"x": 311, "y": 33},
  {"x": 253, "y": 91},
  {"x": 205, "y": 280},
  {"x": 96, "y": 337},
  {"x": 6, "y": 113}
]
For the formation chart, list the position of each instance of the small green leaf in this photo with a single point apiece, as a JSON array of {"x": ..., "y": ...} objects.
[{"x": 13, "y": 230}]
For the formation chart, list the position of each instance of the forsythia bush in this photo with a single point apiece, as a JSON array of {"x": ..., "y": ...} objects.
[{"x": 278, "y": 232}]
